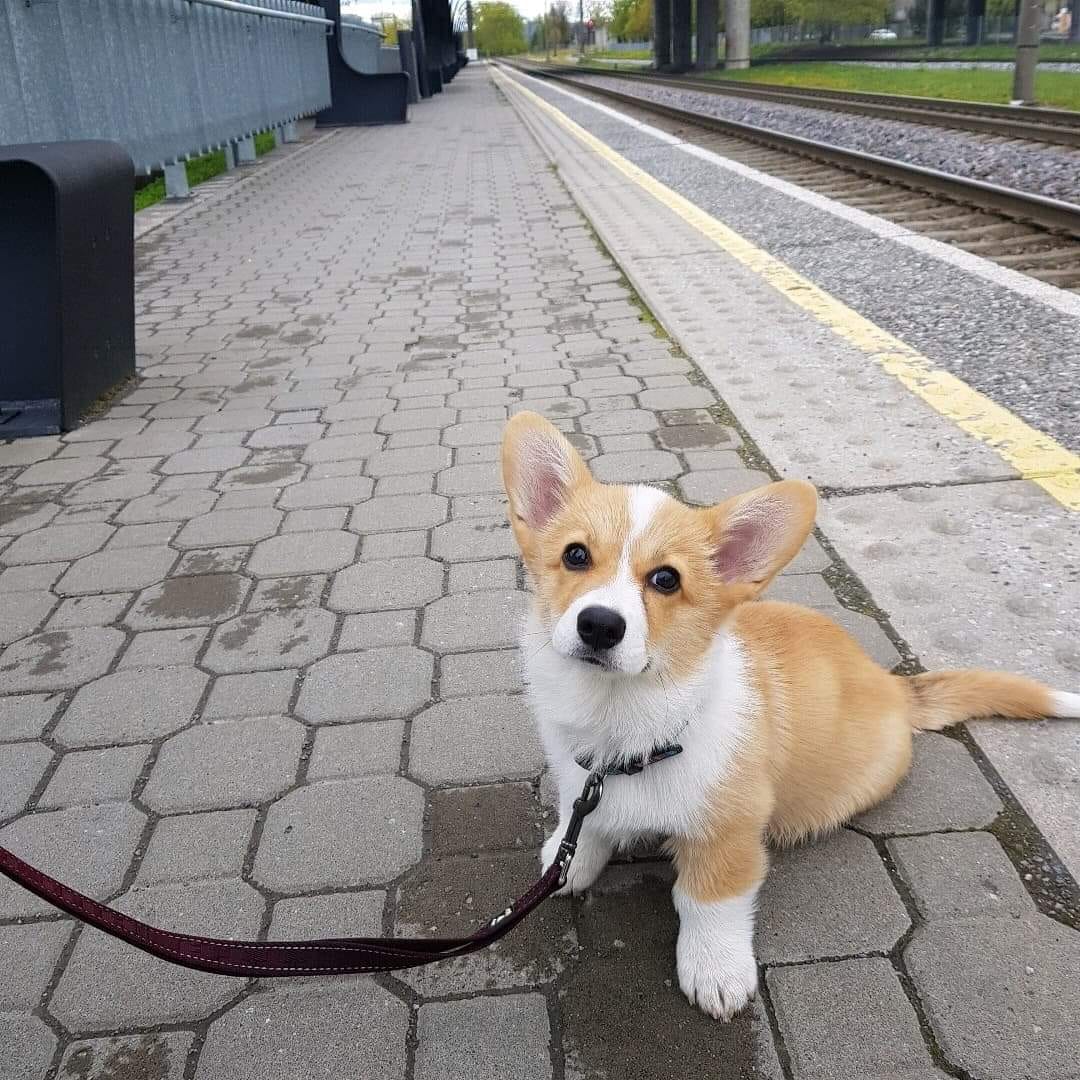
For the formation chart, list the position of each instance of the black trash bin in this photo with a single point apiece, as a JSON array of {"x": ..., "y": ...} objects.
[{"x": 67, "y": 281}]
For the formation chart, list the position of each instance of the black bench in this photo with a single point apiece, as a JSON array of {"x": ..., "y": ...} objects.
[{"x": 67, "y": 281}]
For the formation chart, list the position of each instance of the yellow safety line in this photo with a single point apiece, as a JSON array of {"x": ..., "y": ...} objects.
[{"x": 1036, "y": 456}]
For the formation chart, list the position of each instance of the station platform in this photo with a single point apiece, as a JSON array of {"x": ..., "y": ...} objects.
[{"x": 258, "y": 618}]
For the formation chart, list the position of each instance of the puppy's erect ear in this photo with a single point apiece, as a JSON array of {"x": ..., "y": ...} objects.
[
  {"x": 757, "y": 534},
  {"x": 540, "y": 468}
]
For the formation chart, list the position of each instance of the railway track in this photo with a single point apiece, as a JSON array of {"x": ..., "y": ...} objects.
[
  {"x": 1057, "y": 126},
  {"x": 1032, "y": 234}
]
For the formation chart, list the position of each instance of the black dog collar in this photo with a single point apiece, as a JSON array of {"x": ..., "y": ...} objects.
[{"x": 632, "y": 766}]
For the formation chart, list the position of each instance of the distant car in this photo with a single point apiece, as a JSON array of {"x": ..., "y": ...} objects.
[{"x": 884, "y": 34}]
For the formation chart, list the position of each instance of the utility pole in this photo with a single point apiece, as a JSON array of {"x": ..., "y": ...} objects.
[
  {"x": 1027, "y": 52},
  {"x": 470, "y": 40},
  {"x": 581, "y": 29},
  {"x": 1074, "y": 24}
]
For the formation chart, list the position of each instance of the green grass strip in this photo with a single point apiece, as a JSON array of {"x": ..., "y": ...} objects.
[
  {"x": 199, "y": 170},
  {"x": 1058, "y": 89}
]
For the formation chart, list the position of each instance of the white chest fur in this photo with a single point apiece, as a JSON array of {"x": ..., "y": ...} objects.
[{"x": 583, "y": 711}]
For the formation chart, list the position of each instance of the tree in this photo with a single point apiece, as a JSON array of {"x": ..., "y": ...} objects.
[
  {"x": 631, "y": 20},
  {"x": 499, "y": 29},
  {"x": 826, "y": 15}
]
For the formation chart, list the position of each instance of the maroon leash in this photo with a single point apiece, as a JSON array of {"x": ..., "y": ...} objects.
[{"x": 327, "y": 956}]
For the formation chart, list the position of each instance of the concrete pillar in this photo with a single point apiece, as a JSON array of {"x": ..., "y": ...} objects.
[
  {"x": 176, "y": 181},
  {"x": 661, "y": 34},
  {"x": 288, "y": 132},
  {"x": 935, "y": 22},
  {"x": 245, "y": 150},
  {"x": 737, "y": 34},
  {"x": 682, "y": 54},
  {"x": 1074, "y": 27},
  {"x": 1027, "y": 52},
  {"x": 230, "y": 156},
  {"x": 708, "y": 14}
]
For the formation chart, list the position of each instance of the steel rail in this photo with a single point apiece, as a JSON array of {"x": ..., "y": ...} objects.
[
  {"x": 1056, "y": 126},
  {"x": 266, "y": 13},
  {"x": 1053, "y": 214}
]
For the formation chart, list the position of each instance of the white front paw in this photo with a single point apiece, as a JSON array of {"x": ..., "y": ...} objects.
[
  {"x": 715, "y": 952},
  {"x": 720, "y": 985},
  {"x": 589, "y": 860}
]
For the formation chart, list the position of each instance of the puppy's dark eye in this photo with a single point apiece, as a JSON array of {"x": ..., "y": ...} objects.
[
  {"x": 664, "y": 579},
  {"x": 576, "y": 557}
]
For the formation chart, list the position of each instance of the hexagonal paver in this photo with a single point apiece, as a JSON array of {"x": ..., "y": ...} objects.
[
  {"x": 193, "y": 600},
  {"x": 635, "y": 466},
  {"x": 95, "y": 991},
  {"x": 167, "y": 506},
  {"x": 270, "y": 640},
  {"x": 88, "y": 847},
  {"x": 483, "y": 477},
  {"x": 23, "y": 613},
  {"x": 475, "y": 620},
  {"x": 57, "y": 659},
  {"x": 117, "y": 570},
  {"x": 22, "y": 765},
  {"x": 1001, "y": 995},
  {"x": 832, "y": 898},
  {"x": 392, "y": 512},
  {"x": 376, "y": 684},
  {"x": 333, "y": 491},
  {"x": 23, "y": 513},
  {"x": 953, "y": 875},
  {"x": 386, "y": 585},
  {"x": 411, "y": 459},
  {"x": 285, "y": 1033},
  {"x": 228, "y": 764},
  {"x": 29, "y": 955},
  {"x": 714, "y": 485},
  {"x": 131, "y": 705},
  {"x": 61, "y": 470},
  {"x": 341, "y": 833},
  {"x": 273, "y": 474},
  {"x": 849, "y": 1019},
  {"x": 475, "y": 538},
  {"x": 221, "y": 527},
  {"x": 211, "y": 459},
  {"x": 323, "y": 551},
  {"x": 29, "y": 1046},
  {"x": 57, "y": 543},
  {"x": 165, "y": 1052},
  {"x": 478, "y": 738}
]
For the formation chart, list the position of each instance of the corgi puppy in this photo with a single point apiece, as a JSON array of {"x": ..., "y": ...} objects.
[{"x": 738, "y": 723}]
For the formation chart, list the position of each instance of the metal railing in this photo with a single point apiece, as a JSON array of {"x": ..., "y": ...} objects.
[{"x": 167, "y": 79}]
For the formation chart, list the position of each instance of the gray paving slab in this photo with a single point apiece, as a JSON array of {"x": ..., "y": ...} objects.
[
  {"x": 285, "y": 1032},
  {"x": 849, "y": 1020}
]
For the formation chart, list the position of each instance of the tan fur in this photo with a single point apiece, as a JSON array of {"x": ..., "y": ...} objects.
[
  {"x": 941, "y": 698},
  {"x": 831, "y": 734}
]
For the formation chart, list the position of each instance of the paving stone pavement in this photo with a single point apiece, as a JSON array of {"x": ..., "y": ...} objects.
[{"x": 259, "y": 674}]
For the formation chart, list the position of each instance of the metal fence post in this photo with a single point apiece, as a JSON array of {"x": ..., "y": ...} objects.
[
  {"x": 245, "y": 150},
  {"x": 176, "y": 181}
]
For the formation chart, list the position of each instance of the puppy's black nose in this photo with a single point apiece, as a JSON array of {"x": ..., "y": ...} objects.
[{"x": 600, "y": 627}]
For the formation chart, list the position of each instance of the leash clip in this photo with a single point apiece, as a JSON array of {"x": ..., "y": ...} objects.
[{"x": 584, "y": 805}]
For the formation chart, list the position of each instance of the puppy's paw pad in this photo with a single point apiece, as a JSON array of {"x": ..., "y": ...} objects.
[{"x": 719, "y": 990}]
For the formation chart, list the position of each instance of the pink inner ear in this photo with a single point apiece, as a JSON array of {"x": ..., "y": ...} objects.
[
  {"x": 544, "y": 497},
  {"x": 742, "y": 553},
  {"x": 543, "y": 477}
]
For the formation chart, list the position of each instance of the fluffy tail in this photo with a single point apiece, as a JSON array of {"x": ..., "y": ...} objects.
[{"x": 941, "y": 698}]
